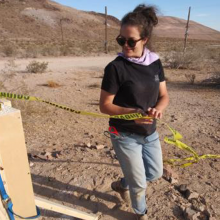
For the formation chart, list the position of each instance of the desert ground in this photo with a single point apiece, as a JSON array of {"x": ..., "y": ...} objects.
[
  {"x": 66, "y": 163},
  {"x": 71, "y": 160}
]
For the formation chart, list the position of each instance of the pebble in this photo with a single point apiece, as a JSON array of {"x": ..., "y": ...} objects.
[
  {"x": 86, "y": 196},
  {"x": 31, "y": 164},
  {"x": 89, "y": 145},
  {"x": 173, "y": 197},
  {"x": 173, "y": 181},
  {"x": 99, "y": 147},
  {"x": 75, "y": 194},
  {"x": 170, "y": 175},
  {"x": 92, "y": 198},
  {"x": 191, "y": 195},
  {"x": 189, "y": 213}
]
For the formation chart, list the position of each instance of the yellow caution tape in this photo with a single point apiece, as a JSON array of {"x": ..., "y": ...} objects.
[
  {"x": 174, "y": 140},
  {"x": 131, "y": 116}
]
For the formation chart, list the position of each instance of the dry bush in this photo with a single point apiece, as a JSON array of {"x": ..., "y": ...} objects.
[
  {"x": 9, "y": 50},
  {"x": 28, "y": 108},
  {"x": 52, "y": 84},
  {"x": 32, "y": 52},
  {"x": 180, "y": 60},
  {"x": 216, "y": 79},
  {"x": 190, "y": 78},
  {"x": 213, "y": 53},
  {"x": 11, "y": 64},
  {"x": 113, "y": 47},
  {"x": 65, "y": 50},
  {"x": 173, "y": 60},
  {"x": 2, "y": 86},
  {"x": 213, "y": 80},
  {"x": 9, "y": 69},
  {"x": 37, "y": 67},
  {"x": 50, "y": 50}
]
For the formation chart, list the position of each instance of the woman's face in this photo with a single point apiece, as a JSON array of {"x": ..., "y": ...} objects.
[{"x": 132, "y": 32}]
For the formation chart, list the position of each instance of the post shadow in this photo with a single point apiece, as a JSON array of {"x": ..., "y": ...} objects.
[{"x": 57, "y": 190}]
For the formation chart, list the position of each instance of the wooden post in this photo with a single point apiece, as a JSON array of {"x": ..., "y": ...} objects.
[
  {"x": 3, "y": 213},
  {"x": 106, "y": 30},
  {"x": 61, "y": 29},
  {"x": 14, "y": 161},
  {"x": 186, "y": 33}
]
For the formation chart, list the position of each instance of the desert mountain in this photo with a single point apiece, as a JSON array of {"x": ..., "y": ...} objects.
[
  {"x": 37, "y": 19},
  {"x": 175, "y": 28},
  {"x": 48, "y": 21}
]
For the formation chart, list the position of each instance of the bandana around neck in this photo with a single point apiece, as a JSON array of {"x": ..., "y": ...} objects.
[{"x": 146, "y": 59}]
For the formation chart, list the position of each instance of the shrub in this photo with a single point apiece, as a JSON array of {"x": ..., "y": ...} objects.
[
  {"x": 32, "y": 52},
  {"x": 191, "y": 78},
  {"x": 9, "y": 50},
  {"x": 179, "y": 60},
  {"x": 52, "y": 84},
  {"x": 2, "y": 86},
  {"x": 64, "y": 50},
  {"x": 213, "y": 80},
  {"x": 37, "y": 67},
  {"x": 213, "y": 53},
  {"x": 50, "y": 50},
  {"x": 173, "y": 60},
  {"x": 9, "y": 70}
]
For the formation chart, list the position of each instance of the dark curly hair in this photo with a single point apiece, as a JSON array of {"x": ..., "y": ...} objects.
[{"x": 144, "y": 17}]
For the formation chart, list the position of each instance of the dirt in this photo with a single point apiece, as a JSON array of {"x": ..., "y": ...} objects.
[{"x": 68, "y": 169}]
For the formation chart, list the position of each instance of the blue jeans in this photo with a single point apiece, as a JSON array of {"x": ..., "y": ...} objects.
[{"x": 141, "y": 160}]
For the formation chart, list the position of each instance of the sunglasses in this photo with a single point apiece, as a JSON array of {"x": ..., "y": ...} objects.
[{"x": 122, "y": 41}]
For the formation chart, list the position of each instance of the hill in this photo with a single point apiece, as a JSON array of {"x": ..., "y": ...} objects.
[
  {"x": 48, "y": 28},
  {"x": 42, "y": 19},
  {"x": 176, "y": 27}
]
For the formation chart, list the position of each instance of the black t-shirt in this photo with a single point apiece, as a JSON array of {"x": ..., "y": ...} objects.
[{"x": 134, "y": 86}]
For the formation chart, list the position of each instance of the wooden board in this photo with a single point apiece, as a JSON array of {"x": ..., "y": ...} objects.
[
  {"x": 14, "y": 160},
  {"x": 52, "y": 206}
]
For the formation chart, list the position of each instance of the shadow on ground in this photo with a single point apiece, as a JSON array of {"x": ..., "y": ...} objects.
[{"x": 63, "y": 193}]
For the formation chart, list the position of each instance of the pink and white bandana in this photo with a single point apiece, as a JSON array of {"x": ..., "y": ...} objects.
[{"x": 146, "y": 59}]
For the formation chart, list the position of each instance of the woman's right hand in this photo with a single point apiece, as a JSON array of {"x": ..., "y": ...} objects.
[{"x": 143, "y": 120}]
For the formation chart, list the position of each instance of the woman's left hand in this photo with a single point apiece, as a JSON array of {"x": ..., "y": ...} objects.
[{"x": 155, "y": 113}]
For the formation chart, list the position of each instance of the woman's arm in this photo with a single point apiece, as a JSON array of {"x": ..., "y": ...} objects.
[{"x": 107, "y": 107}]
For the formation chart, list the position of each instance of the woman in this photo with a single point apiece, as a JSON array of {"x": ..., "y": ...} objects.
[{"x": 134, "y": 82}]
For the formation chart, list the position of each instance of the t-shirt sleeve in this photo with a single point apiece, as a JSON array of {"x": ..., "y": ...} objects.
[
  {"x": 161, "y": 72},
  {"x": 110, "y": 82}
]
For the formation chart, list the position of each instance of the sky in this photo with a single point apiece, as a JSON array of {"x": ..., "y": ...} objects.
[{"x": 202, "y": 11}]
